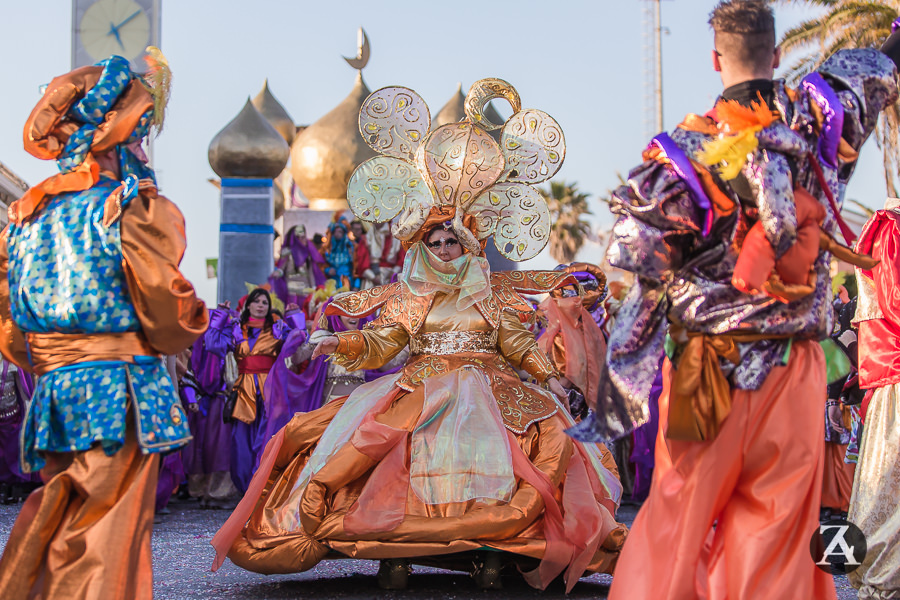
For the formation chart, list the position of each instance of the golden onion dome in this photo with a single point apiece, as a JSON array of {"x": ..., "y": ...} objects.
[
  {"x": 325, "y": 154},
  {"x": 275, "y": 113},
  {"x": 452, "y": 112},
  {"x": 248, "y": 146}
]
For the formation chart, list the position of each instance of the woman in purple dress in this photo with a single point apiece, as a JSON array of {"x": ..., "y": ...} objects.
[{"x": 256, "y": 338}]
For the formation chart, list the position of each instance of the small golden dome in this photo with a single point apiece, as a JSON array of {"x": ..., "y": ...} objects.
[
  {"x": 453, "y": 111},
  {"x": 248, "y": 146},
  {"x": 325, "y": 154},
  {"x": 275, "y": 113}
]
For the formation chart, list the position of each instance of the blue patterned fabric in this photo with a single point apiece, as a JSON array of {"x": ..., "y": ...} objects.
[
  {"x": 83, "y": 290},
  {"x": 92, "y": 109}
]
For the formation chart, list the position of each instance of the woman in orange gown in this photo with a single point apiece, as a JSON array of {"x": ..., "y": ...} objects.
[{"x": 451, "y": 455}]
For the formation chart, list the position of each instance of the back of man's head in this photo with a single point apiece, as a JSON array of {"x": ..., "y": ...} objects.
[{"x": 745, "y": 33}]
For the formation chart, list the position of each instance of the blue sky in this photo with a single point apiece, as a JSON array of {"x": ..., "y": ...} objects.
[{"x": 580, "y": 61}]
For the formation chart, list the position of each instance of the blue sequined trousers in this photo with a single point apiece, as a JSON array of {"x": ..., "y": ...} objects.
[{"x": 66, "y": 276}]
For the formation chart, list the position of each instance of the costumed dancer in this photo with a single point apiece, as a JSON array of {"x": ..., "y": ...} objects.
[
  {"x": 90, "y": 297},
  {"x": 726, "y": 226},
  {"x": 454, "y": 453},
  {"x": 255, "y": 337},
  {"x": 16, "y": 387},
  {"x": 207, "y": 459},
  {"x": 339, "y": 253},
  {"x": 873, "y": 504},
  {"x": 363, "y": 275},
  {"x": 298, "y": 270},
  {"x": 837, "y": 473},
  {"x": 572, "y": 339},
  {"x": 387, "y": 249}
]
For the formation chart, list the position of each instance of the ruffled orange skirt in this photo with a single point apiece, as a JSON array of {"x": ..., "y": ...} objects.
[{"x": 360, "y": 503}]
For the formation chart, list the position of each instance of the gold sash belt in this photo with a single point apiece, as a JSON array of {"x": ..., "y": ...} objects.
[
  {"x": 51, "y": 351},
  {"x": 700, "y": 397},
  {"x": 453, "y": 342}
]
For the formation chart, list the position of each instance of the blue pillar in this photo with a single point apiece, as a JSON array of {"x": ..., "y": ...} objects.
[{"x": 245, "y": 236}]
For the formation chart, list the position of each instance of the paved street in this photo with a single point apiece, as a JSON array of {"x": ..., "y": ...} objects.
[{"x": 182, "y": 555}]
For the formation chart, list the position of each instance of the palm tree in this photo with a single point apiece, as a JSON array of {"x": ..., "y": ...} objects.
[
  {"x": 844, "y": 24},
  {"x": 569, "y": 231}
]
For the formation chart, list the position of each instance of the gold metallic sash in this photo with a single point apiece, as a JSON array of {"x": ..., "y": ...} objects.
[
  {"x": 453, "y": 342},
  {"x": 700, "y": 397},
  {"x": 51, "y": 351}
]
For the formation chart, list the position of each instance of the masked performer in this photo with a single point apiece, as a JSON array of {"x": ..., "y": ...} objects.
[
  {"x": 90, "y": 296},
  {"x": 873, "y": 503},
  {"x": 727, "y": 226},
  {"x": 255, "y": 338},
  {"x": 299, "y": 269},
  {"x": 454, "y": 453}
]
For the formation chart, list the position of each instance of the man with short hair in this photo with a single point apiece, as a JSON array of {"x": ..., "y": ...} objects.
[{"x": 727, "y": 227}]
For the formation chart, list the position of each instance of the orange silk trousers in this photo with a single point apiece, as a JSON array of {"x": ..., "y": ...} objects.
[
  {"x": 759, "y": 481},
  {"x": 85, "y": 535}
]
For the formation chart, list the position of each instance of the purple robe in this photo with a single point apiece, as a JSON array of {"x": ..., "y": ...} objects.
[
  {"x": 300, "y": 253},
  {"x": 642, "y": 454},
  {"x": 225, "y": 334},
  {"x": 210, "y": 450},
  {"x": 10, "y": 428}
]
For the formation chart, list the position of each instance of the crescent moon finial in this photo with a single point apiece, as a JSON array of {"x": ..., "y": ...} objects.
[{"x": 362, "y": 51}]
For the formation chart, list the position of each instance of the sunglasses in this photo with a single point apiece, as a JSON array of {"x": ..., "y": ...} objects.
[{"x": 436, "y": 245}]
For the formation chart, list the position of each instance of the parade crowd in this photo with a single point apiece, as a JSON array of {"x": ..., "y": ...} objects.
[{"x": 385, "y": 395}]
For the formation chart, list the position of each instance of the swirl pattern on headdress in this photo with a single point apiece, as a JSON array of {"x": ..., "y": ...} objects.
[{"x": 458, "y": 166}]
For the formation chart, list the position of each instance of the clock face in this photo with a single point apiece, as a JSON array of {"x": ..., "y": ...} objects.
[{"x": 114, "y": 27}]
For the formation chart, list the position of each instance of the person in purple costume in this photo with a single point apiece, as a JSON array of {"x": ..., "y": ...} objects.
[
  {"x": 306, "y": 389},
  {"x": 298, "y": 269},
  {"x": 644, "y": 444},
  {"x": 16, "y": 387},
  {"x": 207, "y": 459},
  {"x": 256, "y": 338}
]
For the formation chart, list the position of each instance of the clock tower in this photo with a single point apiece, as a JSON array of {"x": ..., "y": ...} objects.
[{"x": 101, "y": 28}]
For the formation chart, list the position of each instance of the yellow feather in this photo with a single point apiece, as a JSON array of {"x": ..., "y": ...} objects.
[
  {"x": 159, "y": 79},
  {"x": 728, "y": 154}
]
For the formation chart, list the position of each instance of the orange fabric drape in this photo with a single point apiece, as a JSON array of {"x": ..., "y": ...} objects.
[{"x": 759, "y": 480}]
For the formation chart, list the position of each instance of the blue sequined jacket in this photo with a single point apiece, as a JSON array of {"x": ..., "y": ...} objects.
[{"x": 63, "y": 271}]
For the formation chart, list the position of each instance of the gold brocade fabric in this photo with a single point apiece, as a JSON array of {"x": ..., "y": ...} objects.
[
  {"x": 515, "y": 347},
  {"x": 399, "y": 306},
  {"x": 86, "y": 532},
  {"x": 453, "y": 342},
  {"x": 873, "y": 503}
]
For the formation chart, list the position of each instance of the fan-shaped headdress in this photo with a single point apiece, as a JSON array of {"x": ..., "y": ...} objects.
[{"x": 458, "y": 172}]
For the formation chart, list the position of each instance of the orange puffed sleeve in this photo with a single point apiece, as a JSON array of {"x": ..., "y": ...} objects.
[{"x": 153, "y": 243}]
